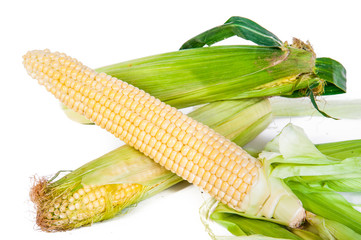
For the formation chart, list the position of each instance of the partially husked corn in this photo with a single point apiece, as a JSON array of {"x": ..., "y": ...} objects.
[
  {"x": 84, "y": 205},
  {"x": 180, "y": 144}
]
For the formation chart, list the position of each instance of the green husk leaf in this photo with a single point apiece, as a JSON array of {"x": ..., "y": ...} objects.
[
  {"x": 235, "y": 26},
  {"x": 294, "y": 147},
  {"x": 313, "y": 101},
  {"x": 333, "y": 73},
  {"x": 328, "y": 204},
  {"x": 340, "y": 108},
  {"x": 329, "y": 229},
  {"x": 202, "y": 75},
  {"x": 342, "y": 149},
  {"x": 239, "y": 225}
]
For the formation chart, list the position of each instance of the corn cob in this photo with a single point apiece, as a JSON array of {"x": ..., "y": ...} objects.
[{"x": 172, "y": 139}]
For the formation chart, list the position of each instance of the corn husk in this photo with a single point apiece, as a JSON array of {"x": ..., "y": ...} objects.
[{"x": 315, "y": 174}]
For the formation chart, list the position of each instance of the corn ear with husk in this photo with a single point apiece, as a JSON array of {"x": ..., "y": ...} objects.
[
  {"x": 104, "y": 187},
  {"x": 196, "y": 75}
]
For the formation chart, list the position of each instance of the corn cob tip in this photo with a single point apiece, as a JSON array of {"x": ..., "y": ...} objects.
[{"x": 73, "y": 204}]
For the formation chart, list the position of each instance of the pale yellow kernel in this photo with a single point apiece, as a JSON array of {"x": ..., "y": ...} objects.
[
  {"x": 71, "y": 207},
  {"x": 160, "y": 133},
  {"x": 175, "y": 132},
  {"x": 227, "y": 153},
  {"x": 158, "y": 156},
  {"x": 76, "y": 196},
  {"x": 202, "y": 161},
  {"x": 171, "y": 141},
  {"x": 178, "y": 123},
  {"x": 168, "y": 165},
  {"x": 185, "y": 149},
  {"x": 137, "y": 132},
  {"x": 250, "y": 166},
  {"x": 178, "y": 170},
  {"x": 212, "y": 179},
  {"x": 205, "y": 185},
  {"x": 226, "y": 175},
  {"x": 185, "y": 174},
  {"x": 230, "y": 191},
  {"x": 209, "y": 164},
  {"x": 138, "y": 144},
  {"x": 90, "y": 206},
  {"x": 242, "y": 188},
  {"x": 141, "y": 135},
  {"x": 227, "y": 198},
  {"x": 165, "y": 151},
  {"x": 214, "y": 191},
  {"x": 201, "y": 172},
  {"x": 163, "y": 160},
  {"x": 85, "y": 200},
  {"x": 207, "y": 151},
  {"x": 242, "y": 173},
  {"x": 178, "y": 158},
  {"x": 186, "y": 138},
  {"x": 103, "y": 122},
  {"x": 178, "y": 146},
  {"x": 126, "y": 125},
  {"x": 147, "y": 150},
  {"x": 162, "y": 148},
  {"x": 237, "y": 168},
  {"x": 181, "y": 135},
  {"x": 211, "y": 141},
  {"x": 220, "y": 171},
  {"x": 91, "y": 196},
  {"x": 153, "y": 153},
  {"x": 153, "y": 131},
  {"x": 202, "y": 147},
  {"x": 157, "y": 145},
  {"x": 172, "y": 155},
  {"x": 184, "y": 161},
  {"x": 131, "y": 129},
  {"x": 218, "y": 183},
  {"x": 230, "y": 165},
  {"x": 213, "y": 169},
  {"x": 96, "y": 204},
  {"x": 152, "y": 142},
  {"x": 191, "y": 155},
  {"x": 238, "y": 182},
  {"x": 166, "y": 137},
  {"x": 197, "y": 144},
  {"x": 247, "y": 178}
]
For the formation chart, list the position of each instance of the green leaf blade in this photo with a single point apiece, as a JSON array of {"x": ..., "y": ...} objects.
[
  {"x": 333, "y": 73},
  {"x": 235, "y": 26}
]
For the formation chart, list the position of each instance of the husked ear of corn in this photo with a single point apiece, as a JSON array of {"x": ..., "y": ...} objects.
[
  {"x": 127, "y": 166},
  {"x": 182, "y": 145}
]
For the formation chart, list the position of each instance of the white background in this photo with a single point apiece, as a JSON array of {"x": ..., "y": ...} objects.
[{"x": 37, "y": 139}]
